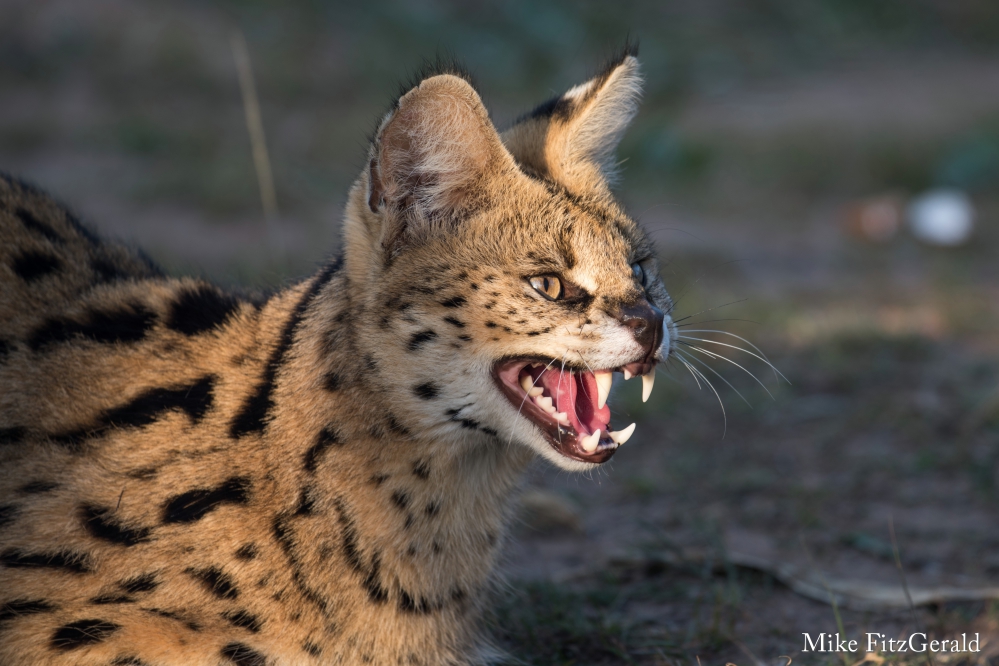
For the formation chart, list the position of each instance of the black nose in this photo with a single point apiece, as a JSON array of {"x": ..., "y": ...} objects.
[{"x": 646, "y": 323}]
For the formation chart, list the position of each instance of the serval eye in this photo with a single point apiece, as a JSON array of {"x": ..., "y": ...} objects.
[
  {"x": 548, "y": 286},
  {"x": 639, "y": 273}
]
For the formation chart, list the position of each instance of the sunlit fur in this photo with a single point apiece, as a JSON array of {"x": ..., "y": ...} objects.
[{"x": 321, "y": 475}]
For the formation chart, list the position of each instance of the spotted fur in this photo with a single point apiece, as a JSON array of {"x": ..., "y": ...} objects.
[{"x": 322, "y": 476}]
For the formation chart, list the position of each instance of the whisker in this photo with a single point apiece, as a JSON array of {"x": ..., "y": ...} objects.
[
  {"x": 721, "y": 377},
  {"x": 745, "y": 351},
  {"x": 712, "y": 354},
  {"x": 689, "y": 369},
  {"x": 717, "y": 397},
  {"x": 741, "y": 300}
]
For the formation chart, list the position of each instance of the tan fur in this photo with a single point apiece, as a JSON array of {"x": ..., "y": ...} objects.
[{"x": 321, "y": 476}]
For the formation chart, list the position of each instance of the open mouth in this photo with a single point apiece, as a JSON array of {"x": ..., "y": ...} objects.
[{"x": 570, "y": 405}]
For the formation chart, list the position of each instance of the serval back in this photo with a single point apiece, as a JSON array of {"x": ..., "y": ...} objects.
[{"x": 321, "y": 475}]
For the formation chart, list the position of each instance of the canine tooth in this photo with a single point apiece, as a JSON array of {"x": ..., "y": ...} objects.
[
  {"x": 591, "y": 441},
  {"x": 562, "y": 417},
  {"x": 535, "y": 391},
  {"x": 604, "y": 381},
  {"x": 622, "y": 436},
  {"x": 526, "y": 383},
  {"x": 627, "y": 374},
  {"x": 545, "y": 403},
  {"x": 647, "y": 382}
]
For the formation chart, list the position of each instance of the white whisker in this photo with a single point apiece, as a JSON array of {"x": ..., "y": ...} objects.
[
  {"x": 721, "y": 377},
  {"x": 713, "y": 390},
  {"x": 745, "y": 351},
  {"x": 711, "y": 354}
]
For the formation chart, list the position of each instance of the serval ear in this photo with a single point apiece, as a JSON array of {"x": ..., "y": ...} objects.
[
  {"x": 572, "y": 138},
  {"x": 431, "y": 159}
]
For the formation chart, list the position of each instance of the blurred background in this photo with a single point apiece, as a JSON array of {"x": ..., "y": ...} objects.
[{"x": 821, "y": 178}]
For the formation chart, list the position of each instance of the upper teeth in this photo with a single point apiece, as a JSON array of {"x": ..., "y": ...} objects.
[
  {"x": 647, "y": 382},
  {"x": 604, "y": 380}
]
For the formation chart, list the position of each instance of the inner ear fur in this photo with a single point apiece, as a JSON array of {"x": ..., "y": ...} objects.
[
  {"x": 430, "y": 159},
  {"x": 572, "y": 138}
]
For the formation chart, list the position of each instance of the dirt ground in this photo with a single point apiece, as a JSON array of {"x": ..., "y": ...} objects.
[{"x": 871, "y": 460}]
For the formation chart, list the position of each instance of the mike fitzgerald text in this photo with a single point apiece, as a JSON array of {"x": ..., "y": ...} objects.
[{"x": 875, "y": 642}]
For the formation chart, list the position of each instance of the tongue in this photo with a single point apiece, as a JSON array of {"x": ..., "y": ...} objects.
[{"x": 576, "y": 395}]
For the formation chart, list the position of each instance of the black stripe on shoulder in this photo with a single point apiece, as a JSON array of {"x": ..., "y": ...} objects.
[
  {"x": 194, "y": 504},
  {"x": 65, "y": 560},
  {"x": 200, "y": 308},
  {"x": 252, "y": 416},
  {"x": 82, "y": 633},
  {"x": 128, "y": 323},
  {"x": 193, "y": 399},
  {"x": 100, "y": 523},
  {"x": 12, "y": 435},
  {"x": 243, "y": 655},
  {"x": 33, "y": 224},
  {"x": 19, "y": 607},
  {"x": 7, "y": 513},
  {"x": 326, "y": 438},
  {"x": 32, "y": 265}
]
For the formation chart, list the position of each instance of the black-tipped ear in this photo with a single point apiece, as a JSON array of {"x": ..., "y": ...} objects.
[
  {"x": 430, "y": 157},
  {"x": 573, "y": 138}
]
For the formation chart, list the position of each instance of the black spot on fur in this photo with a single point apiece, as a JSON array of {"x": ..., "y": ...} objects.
[
  {"x": 66, "y": 560},
  {"x": 396, "y": 427},
  {"x": 400, "y": 499},
  {"x": 454, "y": 322},
  {"x": 216, "y": 581},
  {"x": 5, "y": 348},
  {"x": 243, "y": 655},
  {"x": 82, "y": 633},
  {"x": 144, "y": 583},
  {"x": 193, "y": 626},
  {"x": 143, "y": 473},
  {"x": 31, "y": 265},
  {"x": 7, "y": 513},
  {"x": 100, "y": 523},
  {"x": 128, "y": 660},
  {"x": 199, "y": 309},
  {"x": 332, "y": 381},
  {"x": 372, "y": 582},
  {"x": 195, "y": 504},
  {"x": 455, "y": 302},
  {"x": 491, "y": 324},
  {"x": 427, "y": 390},
  {"x": 252, "y": 416},
  {"x": 312, "y": 648},
  {"x": 243, "y": 619},
  {"x": 421, "y": 468},
  {"x": 19, "y": 607},
  {"x": 13, "y": 435},
  {"x": 466, "y": 338},
  {"x": 33, "y": 224},
  {"x": 306, "y": 503},
  {"x": 246, "y": 552},
  {"x": 379, "y": 479},
  {"x": 433, "y": 508},
  {"x": 128, "y": 323},
  {"x": 418, "y": 339},
  {"x": 112, "y": 598},
  {"x": 326, "y": 438},
  {"x": 106, "y": 270},
  {"x": 36, "y": 487}
]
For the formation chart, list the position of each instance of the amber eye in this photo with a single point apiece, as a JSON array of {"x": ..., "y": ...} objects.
[
  {"x": 548, "y": 286},
  {"x": 639, "y": 273}
]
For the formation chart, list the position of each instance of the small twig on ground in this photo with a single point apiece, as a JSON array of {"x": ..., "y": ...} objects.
[{"x": 905, "y": 584}]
